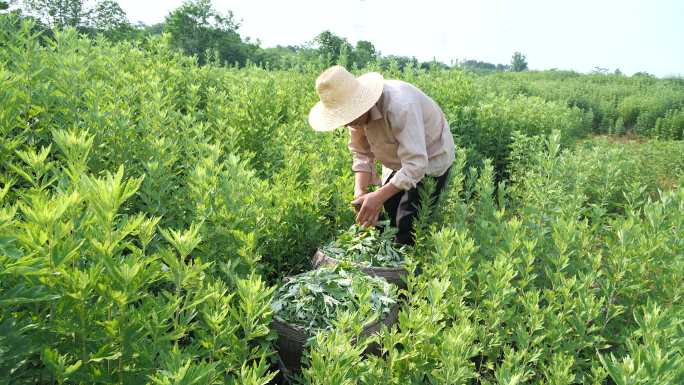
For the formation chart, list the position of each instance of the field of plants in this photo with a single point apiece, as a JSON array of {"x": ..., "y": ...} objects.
[{"x": 150, "y": 208}]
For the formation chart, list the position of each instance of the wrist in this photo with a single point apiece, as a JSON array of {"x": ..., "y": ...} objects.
[{"x": 387, "y": 191}]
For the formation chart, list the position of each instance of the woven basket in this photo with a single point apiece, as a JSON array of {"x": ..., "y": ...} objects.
[
  {"x": 393, "y": 275},
  {"x": 292, "y": 338}
]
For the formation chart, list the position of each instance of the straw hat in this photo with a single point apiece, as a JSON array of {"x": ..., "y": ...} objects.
[{"x": 343, "y": 97}]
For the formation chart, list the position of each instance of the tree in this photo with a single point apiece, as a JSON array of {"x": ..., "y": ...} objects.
[
  {"x": 364, "y": 53},
  {"x": 105, "y": 16},
  {"x": 109, "y": 19},
  {"x": 277, "y": 57},
  {"x": 433, "y": 64},
  {"x": 330, "y": 46},
  {"x": 336, "y": 49},
  {"x": 518, "y": 62},
  {"x": 108, "y": 16},
  {"x": 197, "y": 28},
  {"x": 478, "y": 65},
  {"x": 58, "y": 14},
  {"x": 643, "y": 74},
  {"x": 399, "y": 62},
  {"x": 3, "y": 5}
]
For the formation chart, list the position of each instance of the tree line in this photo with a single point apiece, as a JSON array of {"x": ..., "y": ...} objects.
[{"x": 199, "y": 29}]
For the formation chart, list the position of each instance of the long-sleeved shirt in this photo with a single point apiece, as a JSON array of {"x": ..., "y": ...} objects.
[{"x": 407, "y": 132}]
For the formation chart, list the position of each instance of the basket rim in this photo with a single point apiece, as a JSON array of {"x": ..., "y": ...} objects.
[
  {"x": 394, "y": 311},
  {"x": 401, "y": 270}
]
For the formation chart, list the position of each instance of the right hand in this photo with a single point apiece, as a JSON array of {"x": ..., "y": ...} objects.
[
  {"x": 369, "y": 207},
  {"x": 361, "y": 182},
  {"x": 357, "y": 206}
]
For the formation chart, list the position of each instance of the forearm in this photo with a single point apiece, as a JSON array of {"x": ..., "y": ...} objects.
[
  {"x": 361, "y": 181},
  {"x": 387, "y": 191}
]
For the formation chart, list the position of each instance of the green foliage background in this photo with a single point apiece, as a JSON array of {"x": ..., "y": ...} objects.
[{"x": 149, "y": 206}]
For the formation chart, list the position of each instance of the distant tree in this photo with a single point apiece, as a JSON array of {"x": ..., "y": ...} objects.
[
  {"x": 58, "y": 14},
  {"x": 481, "y": 66},
  {"x": 617, "y": 72},
  {"x": 109, "y": 19},
  {"x": 197, "y": 28},
  {"x": 154, "y": 29},
  {"x": 600, "y": 70},
  {"x": 518, "y": 62},
  {"x": 4, "y": 5},
  {"x": 364, "y": 53},
  {"x": 643, "y": 74},
  {"x": 476, "y": 64},
  {"x": 108, "y": 15},
  {"x": 330, "y": 46},
  {"x": 433, "y": 64},
  {"x": 398, "y": 62},
  {"x": 104, "y": 16},
  {"x": 278, "y": 57}
]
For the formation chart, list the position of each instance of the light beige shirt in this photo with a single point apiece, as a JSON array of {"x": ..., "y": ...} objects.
[{"x": 407, "y": 133}]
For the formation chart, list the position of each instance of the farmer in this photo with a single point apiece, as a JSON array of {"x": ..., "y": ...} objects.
[{"x": 395, "y": 123}]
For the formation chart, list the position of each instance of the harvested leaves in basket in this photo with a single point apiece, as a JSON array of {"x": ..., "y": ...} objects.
[
  {"x": 367, "y": 246},
  {"x": 313, "y": 299}
]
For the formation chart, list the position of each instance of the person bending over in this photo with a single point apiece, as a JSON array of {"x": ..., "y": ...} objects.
[{"x": 395, "y": 123}]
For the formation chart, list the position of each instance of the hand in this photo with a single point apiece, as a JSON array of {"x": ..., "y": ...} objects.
[{"x": 371, "y": 204}]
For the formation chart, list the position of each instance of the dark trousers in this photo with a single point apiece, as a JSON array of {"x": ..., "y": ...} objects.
[{"x": 402, "y": 207}]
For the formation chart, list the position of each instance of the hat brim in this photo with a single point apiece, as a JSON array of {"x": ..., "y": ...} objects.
[{"x": 322, "y": 118}]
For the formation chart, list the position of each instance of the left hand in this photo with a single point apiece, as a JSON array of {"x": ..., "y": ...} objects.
[{"x": 371, "y": 204}]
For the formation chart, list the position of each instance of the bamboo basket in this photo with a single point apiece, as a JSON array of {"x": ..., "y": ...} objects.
[{"x": 292, "y": 338}]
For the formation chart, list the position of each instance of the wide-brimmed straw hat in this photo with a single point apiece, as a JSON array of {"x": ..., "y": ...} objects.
[{"x": 343, "y": 97}]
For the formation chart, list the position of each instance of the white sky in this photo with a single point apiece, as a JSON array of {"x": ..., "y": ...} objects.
[{"x": 632, "y": 35}]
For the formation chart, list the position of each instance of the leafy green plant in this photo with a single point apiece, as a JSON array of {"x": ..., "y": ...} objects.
[
  {"x": 314, "y": 299},
  {"x": 367, "y": 246},
  {"x": 147, "y": 206},
  {"x": 670, "y": 126}
]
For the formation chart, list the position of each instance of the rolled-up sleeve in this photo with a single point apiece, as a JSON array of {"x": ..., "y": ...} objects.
[
  {"x": 409, "y": 131},
  {"x": 362, "y": 157}
]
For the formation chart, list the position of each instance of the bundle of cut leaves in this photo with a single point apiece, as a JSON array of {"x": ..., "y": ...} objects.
[
  {"x": 313, "y": 299},
  {"x": 367, "y": 246}
]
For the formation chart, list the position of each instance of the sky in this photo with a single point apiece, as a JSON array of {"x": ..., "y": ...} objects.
[{"x": 629, "y": 35}]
